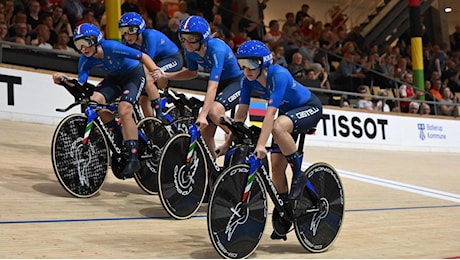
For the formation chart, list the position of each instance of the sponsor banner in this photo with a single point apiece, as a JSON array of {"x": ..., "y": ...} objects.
[{"x": 33, "y": 97}]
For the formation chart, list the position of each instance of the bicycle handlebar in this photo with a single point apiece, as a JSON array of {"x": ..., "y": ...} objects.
[{"x": 243, "y": 134}]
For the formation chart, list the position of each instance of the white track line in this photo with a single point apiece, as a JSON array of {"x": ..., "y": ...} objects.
[{"x": 397, "y": 185}]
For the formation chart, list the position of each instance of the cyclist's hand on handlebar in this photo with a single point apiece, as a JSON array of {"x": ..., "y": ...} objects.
[
  {"x": 157, "y": 74},
  {"x": 260, "y": 152},
  {"x": 201, "y": 122},
  {"x": 58, "y": 77}
]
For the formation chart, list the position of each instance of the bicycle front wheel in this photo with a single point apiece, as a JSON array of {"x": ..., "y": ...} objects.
[
  {"x": 318, "y": 229},
  {"x": 80, "y": 168},
  {"x": 182, "y": 184},
  {"x": 150, "y": 152},
  {"x": 235, "y": 227}
]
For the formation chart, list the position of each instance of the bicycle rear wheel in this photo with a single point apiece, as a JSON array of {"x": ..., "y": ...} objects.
[
  {"x": 235, "y": 228},
  {"x": 317, "y": 230},
  {"x": 81, "y": 169},
  {"x": 150, "y": 153},
  {"x": 182, "y": 184}
]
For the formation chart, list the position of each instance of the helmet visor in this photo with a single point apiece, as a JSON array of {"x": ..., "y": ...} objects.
[
  {"x": 251, "y": 63},
  {"x": 128, "y": 30},
  {"x": 84, "y": 42}
]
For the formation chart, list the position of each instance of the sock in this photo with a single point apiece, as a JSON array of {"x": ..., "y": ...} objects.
[
  {"x": 156, "y": 106},
  {"x": 131, "y": 145},
  {"x": 293, "y": 160}
]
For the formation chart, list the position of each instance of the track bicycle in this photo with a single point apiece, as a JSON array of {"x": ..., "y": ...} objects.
[
  {"x": 178, "y": 116},
  {"x": 237, "y": 209},
  {"x": 83, "y": 147},
  {"x": 188, "y": 169}
]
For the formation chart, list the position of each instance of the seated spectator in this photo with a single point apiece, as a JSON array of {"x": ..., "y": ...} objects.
[
  {"x": 347, "y": 76},
  {"x": 436, "y": 90},
  {"x": 47, "y": 20},
  {"x": 239, "y": 38},
  {"x": 171, "y": 32},
  {"x": 43, "y": 36},
  {"x": 447, "y": 105},
  {"x": 413, "y": 107},
  {"x": 364, "y": 102},
  {"x": 387, "y": 69},
  {"x": 3, "y": 31},
  {"x": 60, "y": 21},
  {"x": 217, "y": 21},
  {"x": 33, "y": 14},
  {"x": 20, "y": 32},
  {"x": 296, "y": 67},
  {"x": 88, "y": 17},
  {"x": 426, "y": 109},
  {"x": 381, "y": 103},
  {"x": 407, "y": 91},
  {"x": 181, "y": 14},
  {"x": 429, "y": 96},
  {"x": 62, "y": 43},
  {"x": 290, "y": 25},
  {"x": 278, "y": 56},
  {"x": 274, "y": 37}
]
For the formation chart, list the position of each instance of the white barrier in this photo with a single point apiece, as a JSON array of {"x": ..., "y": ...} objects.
[{"x": 33, "y": 97}]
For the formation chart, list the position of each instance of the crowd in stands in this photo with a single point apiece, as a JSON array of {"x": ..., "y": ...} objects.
[{"x": 325, "y": 55}]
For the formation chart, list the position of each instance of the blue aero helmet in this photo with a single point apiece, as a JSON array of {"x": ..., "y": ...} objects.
[
  {"x": 195, "y": 25},
  {"x": 87, "y": 35},
  {"x": 131, "y": 23},
  {"x": 254, "y": 54}
]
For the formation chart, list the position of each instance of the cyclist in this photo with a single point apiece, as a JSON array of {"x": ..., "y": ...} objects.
[
  {"x": 212, "y": 54},
  {"x": 159, "y": 47},
  {"x": 298, "y": 109},
  {"x": 126, "y": 77}
]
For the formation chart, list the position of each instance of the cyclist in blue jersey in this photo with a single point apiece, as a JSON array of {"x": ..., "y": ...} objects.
[
  {"x": 215, "y": 55},
  {"x": 159, "y": 47},
  {"x": 298, "y": 110},
  {"x": 125, "y": 78}
]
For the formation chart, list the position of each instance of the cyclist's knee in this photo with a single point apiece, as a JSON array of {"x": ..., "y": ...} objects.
[
  {"x": 98, "y": 97},
  {"x": 125, "y": 109}
]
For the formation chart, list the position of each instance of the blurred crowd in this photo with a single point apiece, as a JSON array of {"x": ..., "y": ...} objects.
[{"x": 320, "y": 54}]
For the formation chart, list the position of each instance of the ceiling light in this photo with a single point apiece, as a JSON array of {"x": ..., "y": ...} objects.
[{"x": 448, "y": 9}]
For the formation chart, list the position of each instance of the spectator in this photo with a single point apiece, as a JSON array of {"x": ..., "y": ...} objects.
[
  {"x": 347, "y": 76},
  {"x": 274, "y": 37},
  {"x": 21, "y": 32},
  {"x": 413, "y": 107},
  {"x": 436, "y": 90},
  {"x": 429, "y": 96},
  {"x": 364, "y": 102},
  {"x": 60, "y": 21},
  {"x": 239, "y": 38},
  {"x": 296, "y": 67},
  {"x": 74, "y": 10},
  {"x": 448, "y": 104},
  {"x": 305, "y": 28},
  {"x": 47, "y": 20},
  {"x": 251, "y": 27},
  {"x": 162, "y": 19},
  {"x": 225, "y": 9},
  {"x": 387, "y": 69},
  {"x": 33, "y": 16},
  {"x": 438, "y": 60},
  {"x": 88, "y": 17},
  {"x": 381, "y": 103},
  {"x": 130, "y": 6},
  {"x": 62, "y": 43},
  {"x": 407, "y": 91},
  {"x": 3, "y": 31},
  {"x": 19, "y": 17},
  {"x": 455, "y": 39},
  {"x": 290, "y": 26},
  {"x": 43, "y": 36},
  {"x": 171, "y": 31},
  {"x": 278, "y": 56},
  {"x": 217, "y": 21},
  {"x": 426, "y": 109},
  {"x": 181, "y": 14},
  {"x": 302, "y": 13}
]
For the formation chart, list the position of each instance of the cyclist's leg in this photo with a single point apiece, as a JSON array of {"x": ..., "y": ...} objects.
[{"x": 133, "y": 82}]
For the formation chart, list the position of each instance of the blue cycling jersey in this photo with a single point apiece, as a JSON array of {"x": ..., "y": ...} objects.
[
  {"x": 282, "y": 90},
  {"x": 219, "y": 59},
  {"x": 118, "y": 58},
  {"x": 156, "y": 44}
]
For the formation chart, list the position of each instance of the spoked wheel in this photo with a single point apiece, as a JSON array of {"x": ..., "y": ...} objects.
[
  {"x": 182, "y": 184},
  {"x": 317, "y": 229},
  {"x": 80, "y": 168},
  {"x": 235, "y": 227},
  {"x": 149, "y": 152}
]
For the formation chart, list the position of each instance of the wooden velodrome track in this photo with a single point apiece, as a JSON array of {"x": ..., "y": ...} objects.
[{"x": 398, "y": 205}]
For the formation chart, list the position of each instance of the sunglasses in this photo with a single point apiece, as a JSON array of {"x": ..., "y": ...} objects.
[
  {"x": 84, "y": 42},
  {"x": 183, "y": 40},
  {"x": 128, "y": 30},
  {"x": 250, "y": 63}
]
